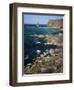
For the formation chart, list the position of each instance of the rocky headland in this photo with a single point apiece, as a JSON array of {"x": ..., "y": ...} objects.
[{"x": 56, "y": 23}]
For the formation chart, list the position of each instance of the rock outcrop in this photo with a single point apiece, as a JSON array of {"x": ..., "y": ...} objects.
[{"x": 55, "y": 23}]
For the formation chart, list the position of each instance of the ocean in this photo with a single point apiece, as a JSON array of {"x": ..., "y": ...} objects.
[{"x": 30, "y": 46}]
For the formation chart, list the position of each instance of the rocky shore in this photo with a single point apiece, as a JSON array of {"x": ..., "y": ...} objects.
[
  {"x": 51, "y": 39},
  {"x": 50, "y": 61}
]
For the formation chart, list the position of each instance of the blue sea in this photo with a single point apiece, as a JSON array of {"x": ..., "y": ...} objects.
[{"x": 30, "y": 47}]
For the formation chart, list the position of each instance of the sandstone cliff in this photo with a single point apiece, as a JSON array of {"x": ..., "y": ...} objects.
[{"x": 55, "y": 23}]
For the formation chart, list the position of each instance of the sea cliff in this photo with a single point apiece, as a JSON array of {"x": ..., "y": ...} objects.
[{"x": 55, "y": 23}]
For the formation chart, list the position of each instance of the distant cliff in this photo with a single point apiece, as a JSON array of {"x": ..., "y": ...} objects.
[{"x": 55, "y": 23}]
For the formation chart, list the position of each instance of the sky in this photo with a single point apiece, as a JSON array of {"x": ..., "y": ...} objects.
[{"x": 41, "y": 19}]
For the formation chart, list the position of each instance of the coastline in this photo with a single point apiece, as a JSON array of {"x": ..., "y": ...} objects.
[
  {"x": 52, "y": 28},
  {"x": 55, "y": 28},
  {"x": 50, "y": 60},
  {"x": 43, "y": 26}
]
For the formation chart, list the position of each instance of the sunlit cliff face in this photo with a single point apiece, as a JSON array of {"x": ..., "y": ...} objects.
[{"x": 55, "y": 23}]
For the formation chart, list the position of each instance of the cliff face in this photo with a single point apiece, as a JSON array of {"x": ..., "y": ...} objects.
[{"x": 55, "y": 23}]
